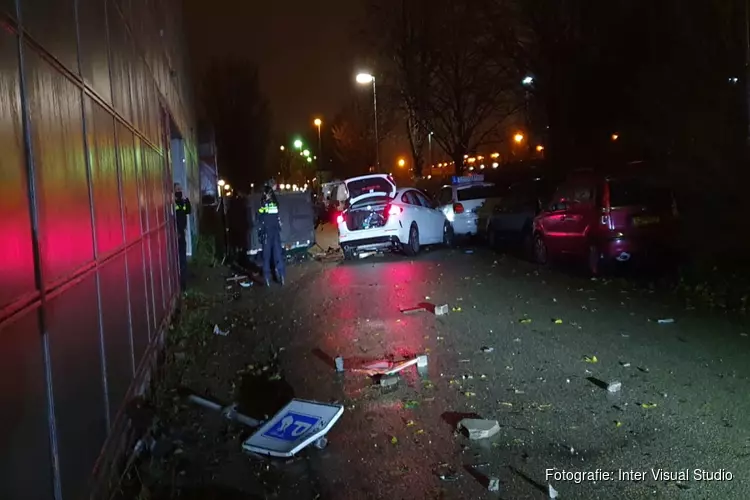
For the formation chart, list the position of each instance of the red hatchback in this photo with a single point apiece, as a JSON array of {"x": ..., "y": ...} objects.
[{"x": 604, "y": 219}]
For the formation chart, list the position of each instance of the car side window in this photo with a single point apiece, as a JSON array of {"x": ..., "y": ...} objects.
[
  {"x": 560, "y": 200},
  {"x": 446, "y": 195},
  {"x": 582, "y": 194},
  {"x": 424, "y": 200},
  {"x": 409, "y": 199}
]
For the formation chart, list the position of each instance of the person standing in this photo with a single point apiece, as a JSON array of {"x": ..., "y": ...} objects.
[
  {"x": 182, "y": 210},
  {"x": 270, "y": 233}
]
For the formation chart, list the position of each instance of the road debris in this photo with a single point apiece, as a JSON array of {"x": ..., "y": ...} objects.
[
  {"x": 551, "y": 491},
  {"x": 743, "y": 334},
  {"x": 524, "y": 321},
  {"x": 557, "y": 321},
  {"x": 665, "y": 321},
  {"x": 614, "y": 387},
  {"x": 412, "y": 310},
  {"x": 486, "y": 349},
  {"x": 246, "y": 284},
  {"x": 456, "y": 309},
  {"x": 411, "y": 404},
  {"x": 441, "y": 310},
  {"x": 478, "y": 428},
  {"x": 339, "y": 364},
  {"x": 237, "y": 277},
  {"x": 220, "y": 332},
  {"x": 624, "y": 364},
  {"x": 648, "y": 406},
  {"x": 388, "y": 380},
  {"x": 590, "y": 359},
  {"x": 618, "y": 424},
  {"x": 494, "y": 485}
]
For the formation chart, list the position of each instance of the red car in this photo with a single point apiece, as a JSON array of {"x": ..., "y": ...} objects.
[{"x": 601, "y": 219}]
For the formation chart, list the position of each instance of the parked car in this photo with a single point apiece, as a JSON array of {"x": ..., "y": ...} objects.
[
  {"x": 381, "y": 216},
  {"x": 462, "y": 201},
  {"x": 512, "y": 218},
  {"x": 604, "y": 219}
]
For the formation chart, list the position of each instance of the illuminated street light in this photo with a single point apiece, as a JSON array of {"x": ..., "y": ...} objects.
[
  {"x": 495, "y": 165},
  {"x": 221, "y": 182},
  {"x": 227, "y": 187},
  {"x": 364, "y": 79},
  {"x": 615, "y": 137},
  {"x": 288, "y": 186},
  {"x": 527, "y": 80},
  {"x": 309, "y": 160},
  {"x": 281, "y": 148},
  {"x": 306, "y": 152},
  {"x": 298, "y": 144},
  {"x": 540, "y": 148},
  {"x": 518, "y": 137},
  {"x": 317, "y": 122},
  {"x": 401, "y": 162}
]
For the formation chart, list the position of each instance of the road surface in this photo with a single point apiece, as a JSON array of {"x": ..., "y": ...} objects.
[{"x": 557, "y": 340}]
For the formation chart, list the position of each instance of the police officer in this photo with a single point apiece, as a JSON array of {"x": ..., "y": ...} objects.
[
  {"x": 270, "y": 233},
  {"x": 182, "y": 209}
]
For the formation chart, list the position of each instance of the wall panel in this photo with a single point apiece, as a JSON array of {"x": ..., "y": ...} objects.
[
  {"x": 119, "y": 42},
  {"x": 25, "y": 467},
  {"x": 94, "y": 48},
  {"x": 117, "y": 335},
  {"x": 129, "y": 183},
  {"x": 77, "y": 379},
  {"x": 16, "y": 254},
  {"x": 100, "y": 131},
  {"x": 60, "y": 163},
  {"x": 53, "y": 24},
  {"x": 138, "y": 301}
]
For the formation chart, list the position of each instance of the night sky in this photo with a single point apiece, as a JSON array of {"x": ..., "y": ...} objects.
[{"x": 304, "y": 50}]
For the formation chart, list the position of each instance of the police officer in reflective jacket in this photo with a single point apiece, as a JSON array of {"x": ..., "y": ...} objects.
[
  {"x": 182, "y": 210},
  {"x": 270, "y": 233}
]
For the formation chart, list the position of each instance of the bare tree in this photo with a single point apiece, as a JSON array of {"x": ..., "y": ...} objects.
[{"x": 454, "y": 79}]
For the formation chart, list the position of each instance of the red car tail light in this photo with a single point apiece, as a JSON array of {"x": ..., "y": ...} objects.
[
  {"x": 458, "y": 208},
  {"x": 340, "y": 219},
  {"x": 393, "y": 210}
]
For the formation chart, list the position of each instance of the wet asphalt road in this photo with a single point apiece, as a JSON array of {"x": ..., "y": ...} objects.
[{"x": 683, "y": 405}]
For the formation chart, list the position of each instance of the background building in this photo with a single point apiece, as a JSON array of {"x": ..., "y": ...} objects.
[{"x": 95, "y": 126}]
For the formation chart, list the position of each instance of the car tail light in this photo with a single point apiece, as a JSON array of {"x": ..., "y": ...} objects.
[
  {"x": 606, "y": 219},
  {"x": 458, "y": 208},
  {"x": 393, "y": 210},
  {"x": 340, "y": 219}
]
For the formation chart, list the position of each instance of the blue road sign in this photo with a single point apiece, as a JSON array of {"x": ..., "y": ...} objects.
[{"x": 292, "y": 426}]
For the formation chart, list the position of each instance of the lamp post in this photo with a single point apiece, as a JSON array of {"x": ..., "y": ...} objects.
[
  {"x": 364, "y": 79},
  {"x": 429, "y": 147},
  {"x": 318, "y": 122}
]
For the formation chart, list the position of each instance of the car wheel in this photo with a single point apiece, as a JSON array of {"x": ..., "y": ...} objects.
[
  {"x": 594, "y": 261},
  {"x": 541, "y": 254},
  {"x": 412, "y": 246},
  {"x": 348, "y": 253},
  {"x": 448, "y": 236}
]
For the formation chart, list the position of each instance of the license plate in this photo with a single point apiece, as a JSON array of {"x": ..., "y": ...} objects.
[{"x": 645, "y": 221}]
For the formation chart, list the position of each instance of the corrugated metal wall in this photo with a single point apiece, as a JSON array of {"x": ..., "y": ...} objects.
[{"x": 87, "y": 244}]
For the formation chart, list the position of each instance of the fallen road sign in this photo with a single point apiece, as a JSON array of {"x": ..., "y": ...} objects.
[{"x": 294, "y": 427}]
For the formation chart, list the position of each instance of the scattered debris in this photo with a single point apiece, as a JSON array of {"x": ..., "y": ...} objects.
[
  {"x": 220, "y": 332},
  {"x": 441, "y": 310},
  {"x": 590, "y": 359},
  {"x": 339, "y": 364},
  {"x": 411, "y": 404},
  {"x": 552, "y": 491},
  {"x": 618, "y": 424},
  {"x": 456, "y": 309},
  {"x": 614, "y": 387},
  {"x": 665, "y": 321},
  {"x": 412, "y": 310},
  {"x": 389, "y": 380},
  {"x": 743, "y": 334},
  {"x": 237, "y": 277},
  {"x": 494, "y": 485},
  {"x": 394, "y": 440},
  {"x": 479, "y": 428},
  {"x": 246, "y": 284},
  {"x": 648, "y": 405},
  {"x": 557, "y": 321},
  {"x": 487, "y": 349},
  {"x": 524, "y": 321},
  {"x": 624, "y": 364},
  {"x": 469, "y": 252}
]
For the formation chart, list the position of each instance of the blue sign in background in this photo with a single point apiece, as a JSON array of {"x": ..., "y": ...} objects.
[{"x": 292, "y": 426}]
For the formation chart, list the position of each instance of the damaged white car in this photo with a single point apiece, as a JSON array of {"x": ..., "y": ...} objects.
[{"x": 380, "y": 216}]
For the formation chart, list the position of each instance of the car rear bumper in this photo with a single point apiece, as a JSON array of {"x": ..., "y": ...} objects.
[
  {"x": 374, "y": 243},
  {"x": 465, "y": 224},
  {"x": 625, "y": 249}
]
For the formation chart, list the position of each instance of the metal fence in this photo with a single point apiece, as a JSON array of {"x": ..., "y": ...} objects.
[{"x": 91, "y": 91}]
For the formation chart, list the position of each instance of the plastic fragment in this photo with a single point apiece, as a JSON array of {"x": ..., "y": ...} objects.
[
  {"x": 615, "y": 386},
  {"x": 665, "y": 321},
  {"x": 494, "y": 485},
  {"x": 478, "y": 428},
  {"x": 648, "y": 405},
  {"x": 525, "y": 321},
  {"x": 590, "y": 359},
  {"x": 558, "y": 321}
]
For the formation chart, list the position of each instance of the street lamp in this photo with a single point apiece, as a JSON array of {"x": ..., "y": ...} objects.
[
  {"x": 318, "y": 122},
  {"x": 364, "y": 79},
  {"x": 306, "y": 152},
  {"x": 281, "y": 148},
  {"x": 518, "y": 138},
  {"x": 527, "y": 81},
  {"x": 429, "y": 142},
  {"x": 222, "y": 182},
  {"x": 615, "y": 137},
  {"x": 401, "y": 162},
  {"x": 298, "y": 144}
]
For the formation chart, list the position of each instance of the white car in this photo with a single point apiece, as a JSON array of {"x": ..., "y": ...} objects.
[
  {"x": 380, "y": 216},
  {"x": 462, "y": 200}
]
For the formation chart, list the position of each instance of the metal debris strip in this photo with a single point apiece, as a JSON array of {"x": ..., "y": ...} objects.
[
  {"x": 237, "y": 277},
  {"x": 220, "y": 332}
]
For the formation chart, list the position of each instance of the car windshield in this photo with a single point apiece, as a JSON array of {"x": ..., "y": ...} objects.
[
  {"x": 478, "y": 192},
  {"x": 635, "y": 192},
  {"x": 370, "y": 185}
]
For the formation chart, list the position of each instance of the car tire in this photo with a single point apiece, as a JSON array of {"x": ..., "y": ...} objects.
[
  {"x": 411, "y": 248},
  {"x": 449, "y": 238},
  {"x": 540, "y": 253},
  {"x": 348, "y": 253},
  {"x": 594, "y": 261}
]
